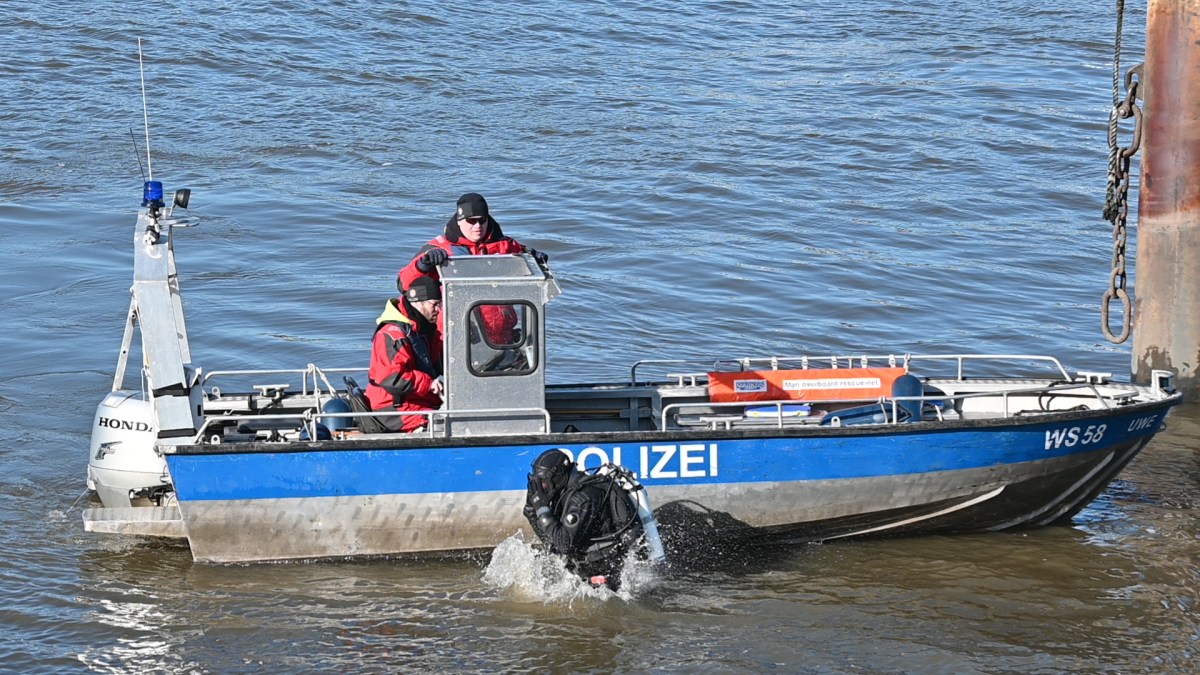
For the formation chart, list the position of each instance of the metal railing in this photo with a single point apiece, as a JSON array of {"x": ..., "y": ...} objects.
[
  {"x": 894, "y": 402},
  {"x": 307, "y": 420},
  {"x": 806, "y": 362},
  {"x": 310, "y": 372}
]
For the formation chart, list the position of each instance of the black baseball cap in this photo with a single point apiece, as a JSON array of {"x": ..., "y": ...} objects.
[
  {"x": 472, "y": 205},
  {"x": 423, "y": 288}
]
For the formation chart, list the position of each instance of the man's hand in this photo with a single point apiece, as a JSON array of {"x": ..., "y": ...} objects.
[
  {"x": 434, "y": 257},
  {"x": 536, "y": 497},
  {"x": 537, "y": 255}
]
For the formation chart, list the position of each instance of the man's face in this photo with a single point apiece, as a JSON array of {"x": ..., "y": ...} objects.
[
  {"x": 428, "y": 309},
  {"x": 473, "y": 228}
]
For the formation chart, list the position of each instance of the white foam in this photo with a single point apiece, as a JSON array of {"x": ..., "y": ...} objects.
[{"x": 526, "y": 571}]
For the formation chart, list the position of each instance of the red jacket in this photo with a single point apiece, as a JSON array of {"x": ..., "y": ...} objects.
[
  {"x": 405, "y": 360},
  {"x": 493, "y": 242},
  {"x": 498, "y": 320}
]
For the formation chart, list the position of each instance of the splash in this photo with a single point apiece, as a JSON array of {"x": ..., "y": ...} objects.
[{"x": 530, "y": 573}]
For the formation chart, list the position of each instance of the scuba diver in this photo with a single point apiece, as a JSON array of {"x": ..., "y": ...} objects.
[{"x": 590, "y": 517}]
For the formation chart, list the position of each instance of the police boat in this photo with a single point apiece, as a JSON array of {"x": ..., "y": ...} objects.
[{"x": 290, "y": 464}]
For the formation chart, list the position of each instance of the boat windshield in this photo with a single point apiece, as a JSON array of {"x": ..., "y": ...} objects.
[{"x": 503, "y": 339}]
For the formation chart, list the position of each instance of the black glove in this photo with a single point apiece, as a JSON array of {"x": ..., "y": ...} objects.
[
  {"x": 536, "y": 497},
  {"x": 434, "y": 257},
  {"x": 529, "y": 513},
  {"x": 538, "y": 255}
]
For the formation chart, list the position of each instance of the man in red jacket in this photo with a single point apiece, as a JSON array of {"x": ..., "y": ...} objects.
[
  {"x": 471, "y": 231},
  {"x": 406, "y": 356}
]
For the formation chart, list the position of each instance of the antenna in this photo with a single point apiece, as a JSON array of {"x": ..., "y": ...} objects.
[
  {"x": 145, "y": 116},
  {"x": 137, "y": 153},
  {"x": 152, "y": 191}
]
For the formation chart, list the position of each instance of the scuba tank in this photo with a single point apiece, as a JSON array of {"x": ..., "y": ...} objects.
[{"x": 624, "y": 478}]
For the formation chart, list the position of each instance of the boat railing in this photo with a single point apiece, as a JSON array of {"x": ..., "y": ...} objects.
[
  {"x": 308, "y": 420},
  {"x": 961, "y": 360},
  {"x": 309, "y": 374},
  {"x": 935, "y": 403},
  {"x": 805, "y": 362}
]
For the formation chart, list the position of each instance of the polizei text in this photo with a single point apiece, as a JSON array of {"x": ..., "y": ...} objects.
[{"x": 668, "y": 460}]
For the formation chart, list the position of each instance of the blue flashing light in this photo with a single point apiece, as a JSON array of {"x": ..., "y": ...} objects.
[{"x": 152, "y": 194}]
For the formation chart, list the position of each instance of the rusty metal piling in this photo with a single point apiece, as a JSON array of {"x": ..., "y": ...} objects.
[{"x": 1166, "y": 331}]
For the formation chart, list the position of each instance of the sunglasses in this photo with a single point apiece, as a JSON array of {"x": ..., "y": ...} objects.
[{"x": 474, "y": 220}]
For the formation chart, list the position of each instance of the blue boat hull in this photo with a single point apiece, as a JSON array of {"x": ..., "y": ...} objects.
[{"x": 309, "y": 500}]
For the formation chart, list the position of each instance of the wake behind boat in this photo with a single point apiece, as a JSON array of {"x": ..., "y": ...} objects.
[{"x": 287, "y": 464}]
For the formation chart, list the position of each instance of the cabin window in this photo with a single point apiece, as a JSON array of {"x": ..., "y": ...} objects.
[{"x": 503, "y": 339}]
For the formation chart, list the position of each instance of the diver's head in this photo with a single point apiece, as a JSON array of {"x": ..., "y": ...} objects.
[{"x": 554, "y": 469}]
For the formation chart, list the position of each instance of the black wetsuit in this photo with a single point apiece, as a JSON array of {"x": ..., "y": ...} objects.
[{"x": 588, "y": 528}]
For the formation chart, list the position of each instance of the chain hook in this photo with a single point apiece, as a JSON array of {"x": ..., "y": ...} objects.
[
  {"x": 1105, "y": 303},
  {"x": 1116, "y": 208}
]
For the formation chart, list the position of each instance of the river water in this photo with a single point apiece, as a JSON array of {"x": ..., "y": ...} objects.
[{"x": 716, "y": 177}]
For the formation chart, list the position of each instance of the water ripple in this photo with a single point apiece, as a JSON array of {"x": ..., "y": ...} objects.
[{"x": 708, "y": 177}]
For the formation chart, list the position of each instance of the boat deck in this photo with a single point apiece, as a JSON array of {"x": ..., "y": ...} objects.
[{"x": 676, "y": 401}]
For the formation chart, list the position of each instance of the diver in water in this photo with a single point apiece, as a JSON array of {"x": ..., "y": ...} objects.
[{"x": 588, "y": 518}]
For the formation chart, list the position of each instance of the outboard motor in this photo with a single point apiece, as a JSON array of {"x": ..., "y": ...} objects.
[{"x": 122, "y": 461}]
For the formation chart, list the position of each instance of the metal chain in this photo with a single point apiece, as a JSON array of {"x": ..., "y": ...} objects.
[
  {"x": 1116, "y": 206},
  {"x": 1110, "y": 192}
]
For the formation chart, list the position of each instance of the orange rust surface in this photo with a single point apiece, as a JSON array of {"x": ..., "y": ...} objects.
[{"x": 1171, "y": 139}]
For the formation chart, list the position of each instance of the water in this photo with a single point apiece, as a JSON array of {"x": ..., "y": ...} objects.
[{"x": 709, "y": 178}]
